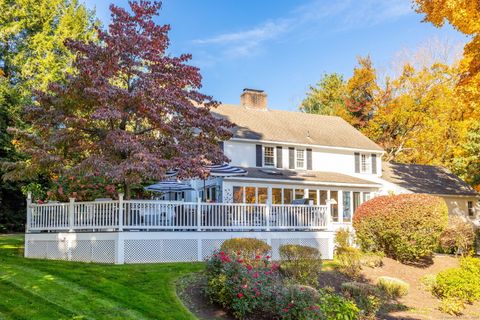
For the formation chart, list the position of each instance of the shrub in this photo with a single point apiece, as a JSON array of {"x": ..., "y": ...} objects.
[
  {"x": 405, "y": 227},
  {"x": 458, "y": 283},
  {"x": 452, "y": 306},
  {"x": 366, "y": 297},
  {"x": 248, "y": 247},
  {"x": 371, "y": 259},
  {"x": 343, "y": 240},
  {"x": 256, "y": 291},
  {"x": 392, "y": 287},
  {"x": 458, "y": 237},
  {"x": 237, "y": 285},
  {"x": 428, "y": 281},
  {"x": 301, "y": 263},
  {"x": 348, "y": 262},
  {"x": 335, "y": 307}
]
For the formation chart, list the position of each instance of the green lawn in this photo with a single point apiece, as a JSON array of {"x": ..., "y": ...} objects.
[{"x": 39, "y": 289}]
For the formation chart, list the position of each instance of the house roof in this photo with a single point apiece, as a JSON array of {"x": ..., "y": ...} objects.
[
  {"x": 426, "y": 179},
  {"x": 303, "y": 176},
  {"x": 294, "y": 127}
]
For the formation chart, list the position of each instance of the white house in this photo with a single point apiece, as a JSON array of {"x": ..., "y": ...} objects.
[{"x": 306, "y": 175}]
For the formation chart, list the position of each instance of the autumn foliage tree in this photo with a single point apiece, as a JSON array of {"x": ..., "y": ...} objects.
[{"x": 129, "y": 113}]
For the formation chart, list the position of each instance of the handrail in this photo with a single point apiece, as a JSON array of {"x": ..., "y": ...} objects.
[{"x": 129, "y": 215}]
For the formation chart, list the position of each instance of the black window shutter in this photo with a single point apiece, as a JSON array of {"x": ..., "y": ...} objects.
[
  {"x": 279, "y": 157},
  {"x": 309, "y": 159},
  {"x": 291, "y": 158},
  {"x": 374, "y": 163},
  {"x": 357, "y": 162},
  {"x": 259, "y": 155}
]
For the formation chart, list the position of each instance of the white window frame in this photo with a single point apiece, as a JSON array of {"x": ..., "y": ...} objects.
[
  {"x": 304, "y": 159},
  {"x": 274, "y": 157},
  {"x": 367, "y": 168},
  {"x": 470, "y": 209}
]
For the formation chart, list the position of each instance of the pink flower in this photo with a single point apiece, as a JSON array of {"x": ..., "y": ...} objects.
[
  {"x": 239, "y": 260},
  {"x": 240, "y": 295},
  {"x": 257, "y": 257},
  {"x": 255, "y": 275},
  {"x": 222, "y": 253},
  {"x": 285, "y": 310},
  {"x": 249, "y": 267},
  {"x": 267, "y": 257}
]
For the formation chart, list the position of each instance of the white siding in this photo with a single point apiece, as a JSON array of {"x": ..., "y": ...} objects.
[{"x": 323, "y": 158}]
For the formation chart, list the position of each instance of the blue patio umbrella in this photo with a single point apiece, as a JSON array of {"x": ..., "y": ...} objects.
[
  {"x": 169, "y": 186},
  {"x": 222, "y": 170}
]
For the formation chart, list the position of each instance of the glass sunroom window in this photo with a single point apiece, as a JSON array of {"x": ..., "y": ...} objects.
[{"x": 347, "y": 211}]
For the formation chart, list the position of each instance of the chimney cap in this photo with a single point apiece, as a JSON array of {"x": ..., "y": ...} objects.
[{"x": 254, "y": 90}]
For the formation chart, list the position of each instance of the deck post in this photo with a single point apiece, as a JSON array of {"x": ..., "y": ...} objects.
[
  {"x": 120, "y": 212},
  {"x": 71, "y": 208},
  {"x": 267, "y": 216},
  {"x": 328, "y": 217},
  {"x": 29, "y": 212},
  {"x": 199, "y": 215}
]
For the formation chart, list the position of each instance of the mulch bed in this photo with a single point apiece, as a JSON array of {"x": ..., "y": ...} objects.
[{"x": 417, "y": 304}]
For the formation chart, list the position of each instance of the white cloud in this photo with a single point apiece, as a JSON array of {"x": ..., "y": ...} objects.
[{"x": 348, "y": 14}]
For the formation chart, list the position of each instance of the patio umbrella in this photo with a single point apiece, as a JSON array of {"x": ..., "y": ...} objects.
[
  {"x": 222, "y": 170},
  {"x": 169, "y": 186}
]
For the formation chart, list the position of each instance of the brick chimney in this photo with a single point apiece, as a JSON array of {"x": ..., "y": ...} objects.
[{"x": 253, "y": 99}]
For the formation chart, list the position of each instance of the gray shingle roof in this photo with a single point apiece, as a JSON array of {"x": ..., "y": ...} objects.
[
  {"x": 294, "y": 127},
  {"x": 426, "y": 179},
  {"x": 304, "y": 176}
]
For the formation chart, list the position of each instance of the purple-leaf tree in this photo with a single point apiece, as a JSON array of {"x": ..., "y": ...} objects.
[{"x": 130, "y": 111}]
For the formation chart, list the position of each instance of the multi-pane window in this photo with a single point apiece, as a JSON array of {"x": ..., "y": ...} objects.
[
  {"x": 300, "y": 159},
  {"x": 269, "y": 156},
  {"x": 365, "y": 164},
  {"x": 471, "y": 211}
]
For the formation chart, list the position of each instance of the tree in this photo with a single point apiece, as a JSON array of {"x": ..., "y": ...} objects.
[
  {"x": 130, "y": 111},
  {"x": 360, "y": 92},
  {"x": 353, "y": 100},
  {"x": 327, "y": 97},
  {"x": 421, "y": 120},
  {"x": 32, "y": 54},
  {"x": 465, "y": 17},
  {"x": 467, "y": 163}
]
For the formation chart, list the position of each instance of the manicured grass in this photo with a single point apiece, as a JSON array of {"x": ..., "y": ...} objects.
[{"x": 41, "y": 289}]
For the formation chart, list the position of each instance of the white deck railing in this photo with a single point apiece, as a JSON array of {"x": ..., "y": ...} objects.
[{"x": 132, "y": 215}]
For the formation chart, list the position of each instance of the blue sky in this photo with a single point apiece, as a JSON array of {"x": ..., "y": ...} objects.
[{"x": 285, "y": 46}]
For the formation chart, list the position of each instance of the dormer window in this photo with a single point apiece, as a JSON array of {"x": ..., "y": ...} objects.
[
  {"x": 300, "y": 158},
  {"x": 268, "y": 156},
  {"x": 365, "y": 163}
]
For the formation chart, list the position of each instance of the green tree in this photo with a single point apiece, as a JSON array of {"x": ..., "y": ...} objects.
[
  {"x": 467, "y": 163},
  {"x": 32, "y": 54},
  {"x": 327, "y": 97}
]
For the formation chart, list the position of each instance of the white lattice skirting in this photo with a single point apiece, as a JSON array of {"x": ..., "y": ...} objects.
[{"x": 154, "y": 247}]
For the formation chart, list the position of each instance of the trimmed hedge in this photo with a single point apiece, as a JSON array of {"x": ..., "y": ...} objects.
[
  {"x": 300, "y": 263},
  {"x": 405, "y": 227},
  {"x": 249, "y": 248}
]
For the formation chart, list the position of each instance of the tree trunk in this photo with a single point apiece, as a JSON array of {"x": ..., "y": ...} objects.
[{"x": 127, "y": 190}]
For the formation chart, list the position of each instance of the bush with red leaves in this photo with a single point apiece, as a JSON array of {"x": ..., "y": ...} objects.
[{"x": 405, "y": 227}]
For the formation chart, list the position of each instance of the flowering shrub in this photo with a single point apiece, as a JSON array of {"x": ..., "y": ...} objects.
[
  {"x": 249, "y": 248},
  {"x": 458, "y": 237},
  {"x": 255, "y": 290},
  {"x": 405, "y": 227},
  {"x": 300, "y": 263}
]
